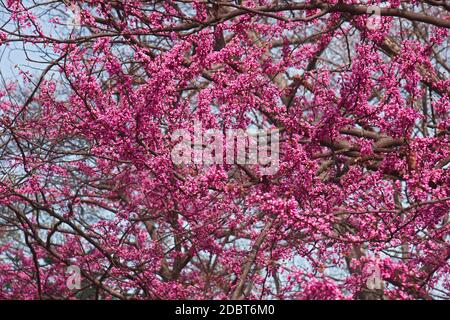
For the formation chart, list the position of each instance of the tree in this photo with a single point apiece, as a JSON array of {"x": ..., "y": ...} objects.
[{"x": 357, "y": 209}]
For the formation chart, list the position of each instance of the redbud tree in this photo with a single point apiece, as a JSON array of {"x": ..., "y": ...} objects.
[{"x": 358, "y": 208}]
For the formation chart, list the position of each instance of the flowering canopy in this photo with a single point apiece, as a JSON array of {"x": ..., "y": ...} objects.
[{"x": 87, "y": 179}]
